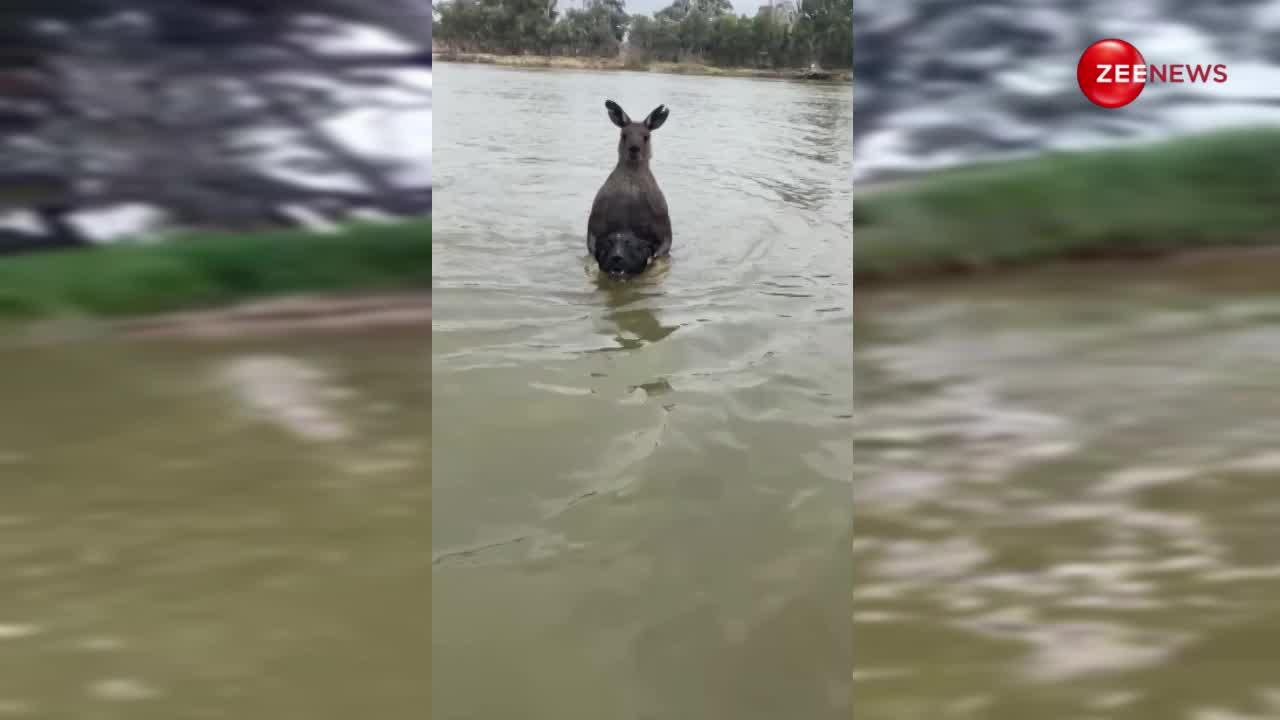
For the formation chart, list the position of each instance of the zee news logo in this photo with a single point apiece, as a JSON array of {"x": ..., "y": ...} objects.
[{"x": 1112, "y": 73}]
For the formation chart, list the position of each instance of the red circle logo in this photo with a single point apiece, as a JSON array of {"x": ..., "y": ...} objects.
[{"x": 1111, "y": 73}]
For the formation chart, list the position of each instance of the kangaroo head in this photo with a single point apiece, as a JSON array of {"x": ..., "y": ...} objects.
[{"x": 634, "y": 148}]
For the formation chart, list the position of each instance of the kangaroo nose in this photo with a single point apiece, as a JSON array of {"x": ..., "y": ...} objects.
[{"x": 635, "y": 149}]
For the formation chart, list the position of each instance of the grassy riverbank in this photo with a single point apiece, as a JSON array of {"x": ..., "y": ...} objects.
[
  {"x": 595, "y": 63},
  {"x": 211, "y": 270},
  {"x": 1214, "y": 191}
]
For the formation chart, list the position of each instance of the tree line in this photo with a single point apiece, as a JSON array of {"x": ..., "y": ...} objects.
[
  {"x": 165, "y": 103},
  {"x": 702, "y": 31}
]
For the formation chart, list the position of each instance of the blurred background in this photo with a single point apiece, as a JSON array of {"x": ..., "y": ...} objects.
[
  {"x": 218, "y": 114},
  {"x": 943, "y": 83},
  {"x": 215, "y": 256},
  {"x": 1065, "y": 366}
]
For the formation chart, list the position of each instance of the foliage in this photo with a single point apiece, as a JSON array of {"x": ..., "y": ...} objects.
[
  {"x": 818, "y": 31},
  {"x": 177, "y": 104},
  {"x": 213, "y": 269},
  {"x": 1216, "y": 190}
]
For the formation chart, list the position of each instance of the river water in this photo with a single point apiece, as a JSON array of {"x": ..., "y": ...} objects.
[
  {"x": 642, "y": 488},
  {"x": 1064, "y": 495},
  {"x": 215, "y": 530}
]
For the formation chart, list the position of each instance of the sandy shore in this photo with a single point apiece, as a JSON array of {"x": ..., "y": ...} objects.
[
  {"x": 1235, "y": 267},
  {"x": 592, "y": 63},
  {"x": 286, "y": 316}
]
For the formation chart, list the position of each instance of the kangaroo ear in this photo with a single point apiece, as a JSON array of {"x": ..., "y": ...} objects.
[
  {"x": 656, "y": 118},
  {"x": 616, "y": 114}
]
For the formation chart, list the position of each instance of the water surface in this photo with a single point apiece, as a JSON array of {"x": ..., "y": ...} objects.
[
  {"x": 235, "y": 530},
  {"x": 1064, "y": 495},
  {"x": 643, "y": 488}
]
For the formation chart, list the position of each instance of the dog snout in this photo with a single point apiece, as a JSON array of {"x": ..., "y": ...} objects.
[{"x": 614, "y": 263}]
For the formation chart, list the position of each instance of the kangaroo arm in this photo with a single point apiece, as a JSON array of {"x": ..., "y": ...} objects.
[
  {"x": 596, "y": 222},
  {"x": 662, "y": 224}
]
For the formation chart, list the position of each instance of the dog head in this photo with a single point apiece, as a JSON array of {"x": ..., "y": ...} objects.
[{"x": 622, "y": 254}]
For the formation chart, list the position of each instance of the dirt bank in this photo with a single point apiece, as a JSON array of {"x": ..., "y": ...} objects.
[
  {"x": 286, "y": 316},
  {"x": 1231, "y": 266},
  {"x": 590, "y": 63}
]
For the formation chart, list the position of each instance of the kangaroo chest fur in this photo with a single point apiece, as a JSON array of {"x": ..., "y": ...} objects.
[{"x": 631, "y": 201}]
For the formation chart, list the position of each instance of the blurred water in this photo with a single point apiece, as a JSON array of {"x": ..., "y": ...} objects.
[
  {"x": 1064, "y": 495},
  {"x": 941, "y": 83},
  {"x": 215, "y": 530}
]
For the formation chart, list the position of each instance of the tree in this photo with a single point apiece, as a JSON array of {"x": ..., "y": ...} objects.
[
  {"x": 825, "y": 29},
  {"x": 703, "y": 30},
  {"x": 157, "y": 101}
]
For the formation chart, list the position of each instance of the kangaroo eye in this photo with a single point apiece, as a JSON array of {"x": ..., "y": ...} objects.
[{"x": 646, "y": 138}]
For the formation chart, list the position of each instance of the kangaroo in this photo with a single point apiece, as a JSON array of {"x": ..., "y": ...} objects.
[{"x": 629, "y": 225}]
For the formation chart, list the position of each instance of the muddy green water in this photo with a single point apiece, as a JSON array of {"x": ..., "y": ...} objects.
[
  {"x": 642, "y": 491},
  {"x": 1065, "y": 497},
  {"x": 206, "y": 530}
]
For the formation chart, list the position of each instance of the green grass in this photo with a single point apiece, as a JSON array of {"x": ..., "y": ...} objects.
[
  {"x": 204, "y": 270},
  {"x": 1210, "y": 191}
]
